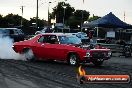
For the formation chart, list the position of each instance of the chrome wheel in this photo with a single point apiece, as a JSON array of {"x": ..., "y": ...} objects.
[{"x": 73, "y": 59}]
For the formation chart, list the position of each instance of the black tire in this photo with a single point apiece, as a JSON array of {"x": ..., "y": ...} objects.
[
  {"x": 73, "y": 60},
  {"x": 98, "y": 63},
  {"x": 28, "y": 54}
]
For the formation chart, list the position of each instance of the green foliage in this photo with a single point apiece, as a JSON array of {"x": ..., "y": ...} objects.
[
  {"x": 14, "y": 20},
  {"x": 81, "y": 14},
  {"x": 41, "y": 23},
  {"x": 72, "y": 18},
  {"x": 58, "y": 12},
  {"x": 73, "y": 22},
  {"x": 93, "y": 18}
]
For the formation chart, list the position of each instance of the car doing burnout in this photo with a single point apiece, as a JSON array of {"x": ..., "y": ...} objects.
[{"x": 62, "y": 47}]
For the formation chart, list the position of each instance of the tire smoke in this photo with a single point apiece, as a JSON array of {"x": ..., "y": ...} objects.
[{"x": 6, "y": 51}]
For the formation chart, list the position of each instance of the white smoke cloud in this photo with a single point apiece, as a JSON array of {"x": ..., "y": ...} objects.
[{"x": 6, "y": 51}]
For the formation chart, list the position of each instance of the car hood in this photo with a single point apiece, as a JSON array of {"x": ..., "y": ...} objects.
[
  {"x": 100, "y": 49},
  {"x": 88, "y": 47},
  {"x": 80, "y": 46}
]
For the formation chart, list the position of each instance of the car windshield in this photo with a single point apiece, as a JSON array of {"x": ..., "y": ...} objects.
[{"x": 69, "y": 40}]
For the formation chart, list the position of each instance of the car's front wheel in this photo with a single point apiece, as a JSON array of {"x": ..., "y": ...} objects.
[
  {"x": 73, "y": 59},
  {"x": 28, "y": 54}
]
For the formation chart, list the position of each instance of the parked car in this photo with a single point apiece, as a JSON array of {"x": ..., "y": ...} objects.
[
  {"x": 83, "y": 36},
  {"x": 59, "y": 46},
  {"x": 40, "y": 32},
  {"x": 45, "y": 30},
  {"x": 97, "y": 41},
  {"x": 13, "y": 33}
]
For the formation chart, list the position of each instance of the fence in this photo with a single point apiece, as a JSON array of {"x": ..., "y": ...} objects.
[{"x": 116, "y": 49}]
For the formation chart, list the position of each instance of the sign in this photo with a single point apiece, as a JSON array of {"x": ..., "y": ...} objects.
[{"x": 111, "y": 34}]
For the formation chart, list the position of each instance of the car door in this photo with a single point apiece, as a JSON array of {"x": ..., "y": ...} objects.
[
  {"x": 49, "y": 49},
  {"x": 41, "y": 48},
  {"x": 56, "y": 50},
  {"x": 46, "y": 47}
]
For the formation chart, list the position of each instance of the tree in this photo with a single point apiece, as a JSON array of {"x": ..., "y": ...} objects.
[
  {"x": 1, "y": 16},
  {"x": 58, "y": 12},
  {"x": 1, "y": 21},
  {"x": 12, "y": 20},
  {"x": 93, "y": 18},
  {"x": 78, "y": 17},
  {"x": 81, "y": 14},
  {"x": 73, "y": 22},
  {"x": 41, "y": 23}
]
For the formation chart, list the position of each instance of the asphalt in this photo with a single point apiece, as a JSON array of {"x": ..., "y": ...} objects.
[{"x": 47, "y": 74}]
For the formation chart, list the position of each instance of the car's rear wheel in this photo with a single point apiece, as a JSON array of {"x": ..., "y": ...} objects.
[
  {"x": 28, "y": 54},
  {"x": 73, "y": 59},
  {"x": 97, "y": 63}
]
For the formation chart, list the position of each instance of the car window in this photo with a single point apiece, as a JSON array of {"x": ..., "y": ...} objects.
[
  {"x": 11, "y": 32},
  {"x": 41, "y": 39},
  {"x": 18, "y": 31},
  {"x": 69, "y": 40},
  {"x": 52, "y": 39},
  {"x": 4, "y": 31},
  {"x": 1, "y": 31},
  {"x": 48, "y": 39}
]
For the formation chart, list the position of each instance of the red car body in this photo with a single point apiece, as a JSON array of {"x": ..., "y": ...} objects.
[{"x": 60, "y": 51}]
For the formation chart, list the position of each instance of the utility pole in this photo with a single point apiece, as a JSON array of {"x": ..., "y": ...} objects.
[
  {"x": 48, "y": 14},
  {"x": 37, "y": 17},
  {"x": 124, "y": 16},
  {"x": 82, "y": 20},
  {"x": 22, "y": 16}
]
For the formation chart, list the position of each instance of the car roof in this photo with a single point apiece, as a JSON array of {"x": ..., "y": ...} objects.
[
  {"x": 10, "y": 28},
  {"x": 57, "y": 34}
]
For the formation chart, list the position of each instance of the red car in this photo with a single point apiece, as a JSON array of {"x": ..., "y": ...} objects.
[{"x": 62, "y": 47}]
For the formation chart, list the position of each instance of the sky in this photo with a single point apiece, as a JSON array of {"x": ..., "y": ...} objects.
[{"x": 96, "y": 7}]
